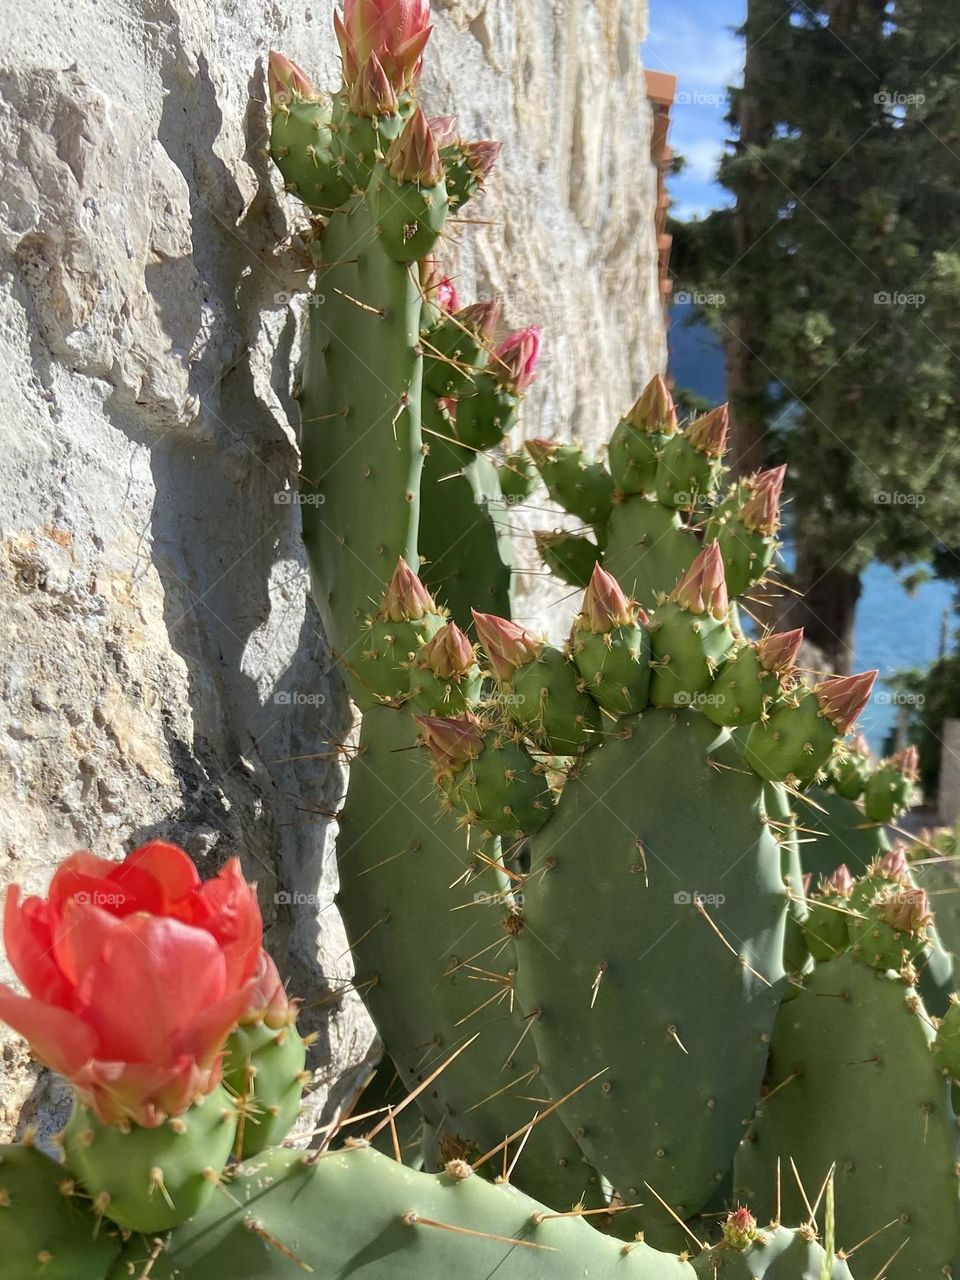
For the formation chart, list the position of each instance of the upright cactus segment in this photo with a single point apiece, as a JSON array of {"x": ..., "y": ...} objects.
[
  {"x": 152, "y": 1179},
  {"x": 620, "y": 907},
  {"x": 853, "y": 1087},
  {"x": 264, "y": 1065},
  {"x": 472, "y": 396},
  {"x": 430, "y": 919}
]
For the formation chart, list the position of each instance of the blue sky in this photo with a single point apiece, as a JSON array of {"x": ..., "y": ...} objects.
[{"x": 695, "y": 39}]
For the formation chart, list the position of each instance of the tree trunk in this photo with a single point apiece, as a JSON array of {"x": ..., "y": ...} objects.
[
  {"x": 826, "y": 607},
  {"x": 747, "y": 378}
]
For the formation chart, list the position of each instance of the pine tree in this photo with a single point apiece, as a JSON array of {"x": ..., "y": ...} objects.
[{"x": 840, "y": 281}]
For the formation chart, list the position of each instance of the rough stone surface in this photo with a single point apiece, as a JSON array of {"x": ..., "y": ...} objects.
[{"x": 162, "y": 672}]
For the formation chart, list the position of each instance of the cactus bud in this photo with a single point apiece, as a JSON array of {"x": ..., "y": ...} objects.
[
  {"x": 438, "y": 288},
  {"x": 413, "y": 156},
  {"x": 841, "y": 882},
  {"x": 397, "y": 31},
  {"x": 372, "y": 94},
  {"x": 444, "y": 130},
  {"x": 906, "y": 911},
  {"x": 893, "y": 865},
  {"x": 740, "y": 1229},
  {"x": 406, "y": 598},
  {"x": 860, "y": 746},
  {"x": 515, "y": 360},
  {"x": 481, "y": 318},
  {"x": 449, "y": 654},
  {"x": 604, "y": 607},
  {"x": 778, "y": 653},
  {"x": 908, "y": 762},
  {"x": 654, "y": 411},
  {"x": 708, "y": 435},
  {"x": 481, "y": 158},
  {"x": 703, "y": 587},
  {"x": 761, "y": 513},
  {"x": 452, "y": 743},
  {"x": 287, "y": 82},
  {"x": 506, "y": 645},
  {"x": 771, "y": 480},
  {"x": 842, "y": 698}
]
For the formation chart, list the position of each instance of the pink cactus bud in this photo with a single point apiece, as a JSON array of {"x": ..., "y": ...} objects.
[
  {"x": 437, "y": 287},
  {"x": 269, "y": 1002},
  {"x": 372, "y": 94},
  {"x": 506, "y": 645},
  {"x": 444, "y": 130},
  {"x": 397, "y": 31},
  {"x": 761, "y": 512},
  {"x": 449, "y": 654},
  {"x": 406, "y": 599},
  {"x": 703, "y": 588},
  {"x": 516, "y": 358},
  {"x": 481, "y": 318},
  {"x": 452, "y": 743},
  {"x": 907, "y": 911},
  {"x": 446, "y": 297},
  {"x": 778, "y": 653},
  {"x": 841, "y": 882},
  {"x": 481, "y": 157},
  {"x": 893, "y": 865},
  {"x": 908, "y": 762},
  {"x": 655, "y": 410},
  {"x": 604, "y": 605},
  {"x": 413, "y": 156},
  {"x": 860, "y": 746},
  {"x": 842, "y": 698},
  {"x": 708, "y": 435},
  {"x": 287, "y": 82},
  {"x": 771, "y": 480},
  {"x": 740, "y": 1229}
]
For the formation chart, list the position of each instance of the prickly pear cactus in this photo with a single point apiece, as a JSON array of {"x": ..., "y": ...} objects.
[
  {"x": 395, "y": 372},
  {"x": 648, "y": 513},
  {"x": 855, "y": 1086}
]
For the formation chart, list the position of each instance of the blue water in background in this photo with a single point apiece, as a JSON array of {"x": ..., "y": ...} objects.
[{"x": 894, "y": 628}]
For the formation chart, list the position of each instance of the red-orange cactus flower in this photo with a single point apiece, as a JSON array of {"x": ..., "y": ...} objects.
[
  {"x": 397, "y": 31},
  {"x": 137, "y": 973}
]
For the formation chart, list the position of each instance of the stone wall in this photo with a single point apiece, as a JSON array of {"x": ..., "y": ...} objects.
[{"x": 163, "y": 673}]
